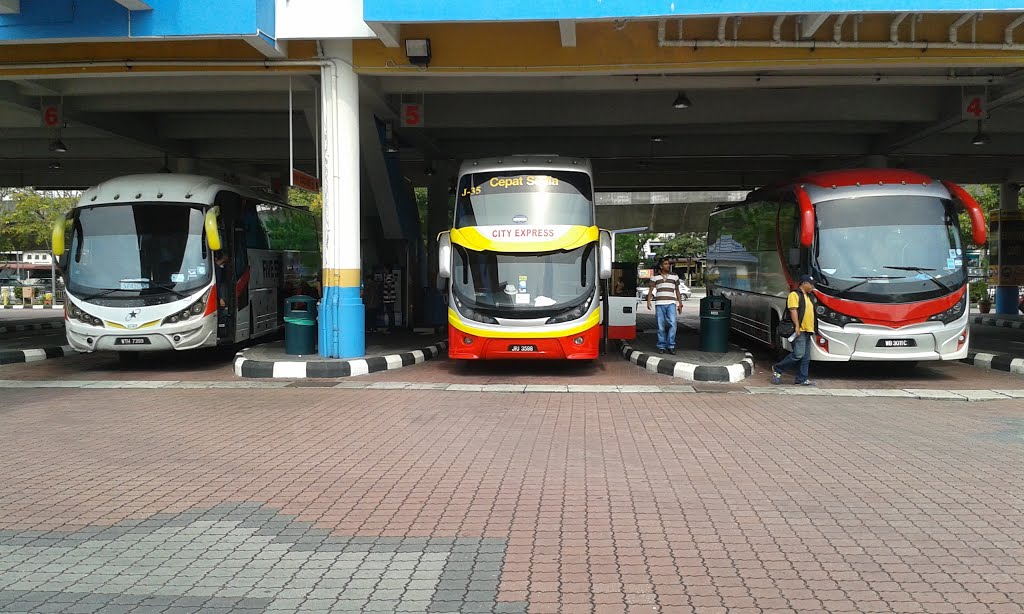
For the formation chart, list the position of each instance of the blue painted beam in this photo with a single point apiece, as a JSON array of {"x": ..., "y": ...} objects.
[
  {"x": 41, "y": 20},
  {"x": 411, "y": 11}
]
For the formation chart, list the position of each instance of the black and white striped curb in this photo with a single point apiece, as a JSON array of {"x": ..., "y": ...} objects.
[
  {"x": 9, "y": 357},
  {"x": 57, "y": 306},
  {"x": 688, "y": 371},
  {"x": 246, "y": 367},
  {"x": 923, "y": 394},
  {"x": 998, "y": 322},
  {"x": 996, "y": 362},
  {"x": 18, "y": 328}
]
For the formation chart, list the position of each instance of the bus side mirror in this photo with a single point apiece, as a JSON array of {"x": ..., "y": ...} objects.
[
  {"x": 57, "y": 237},
  {"x": 978, "y": 230},
  {"x": 212, "y": 234},
  {"x": 807, "y": 221},
  {"x": 605, "y": 255},
  {"x": 444, "y": 255}
]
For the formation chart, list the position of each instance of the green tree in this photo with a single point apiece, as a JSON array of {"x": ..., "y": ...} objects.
[
  {"x": 629, "y": 247},
  {"x": 27, "y": 217},
  {"x": 314, "y": 201},
  {"x": 686, "y": 245}
]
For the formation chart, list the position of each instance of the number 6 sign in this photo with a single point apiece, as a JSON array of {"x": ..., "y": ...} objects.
[
  {"x": 51, "y": 115},
  {"x": 975, "y": 106}
]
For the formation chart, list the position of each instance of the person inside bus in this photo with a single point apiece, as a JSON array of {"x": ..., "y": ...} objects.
[
  {"x": 801, "y": 312},
  {"x": 221, "y": 273},
  {"x": 664, "y": 289}
]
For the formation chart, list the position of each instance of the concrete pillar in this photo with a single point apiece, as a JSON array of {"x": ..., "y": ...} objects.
[
  {"x": 341, "y": 308},
  {"x": 1007, "y": 297},
  {"x": 876, "y": 161},
  {"x": 437, "y": 222},
  {"x": 186, "y": 166}
]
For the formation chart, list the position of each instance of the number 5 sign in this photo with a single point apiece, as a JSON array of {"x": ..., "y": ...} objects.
[
  {"x": 412, "y": 115},
  {"x": 975, "y": 106}
]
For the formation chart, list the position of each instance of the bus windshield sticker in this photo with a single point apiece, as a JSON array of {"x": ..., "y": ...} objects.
[
  {"x": 519, "y": 219},
  {"x": 949, "y": 263},
  {"x": 201, "y": 269},
  {"x": 134, "y": 283},
  {"x": 522, "y": 299},
  {"x": 177, "y": 277}
]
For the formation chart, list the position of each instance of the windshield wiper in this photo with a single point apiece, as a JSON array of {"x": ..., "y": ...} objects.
[
  {"x": 865, "y": 279},
  {"x": 169, "y": 288},
  {"x": 918, "y": 269},
  {"x": 101, "y": 293}
]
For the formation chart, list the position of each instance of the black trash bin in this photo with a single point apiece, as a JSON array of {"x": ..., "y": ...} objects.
[
  {"x": 715, "y": 312},
  {"x": 300, "y": 325}
]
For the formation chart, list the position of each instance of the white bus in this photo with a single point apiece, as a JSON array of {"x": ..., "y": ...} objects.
[
  {"x": 526, "y": 260},
  {"x": 883, "y": 246},
  {"x": 176, "y": 262}
]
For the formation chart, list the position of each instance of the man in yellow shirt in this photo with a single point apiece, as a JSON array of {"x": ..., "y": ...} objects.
[{"x": 801, "y": 311}]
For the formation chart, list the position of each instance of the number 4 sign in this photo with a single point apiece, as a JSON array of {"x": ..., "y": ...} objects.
[
  {"x": 975, "y": 106},
  {"x": 412, "y": 115}
]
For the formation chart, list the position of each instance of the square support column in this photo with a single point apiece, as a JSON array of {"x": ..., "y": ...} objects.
[
  {"x": 1007, "y": 297},
  {"x": 342, "y": 316}
]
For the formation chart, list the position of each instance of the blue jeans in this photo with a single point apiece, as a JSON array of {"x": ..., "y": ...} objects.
[
  {"x": 666, "y": 326},
  {"x": 801, "y": 356}
]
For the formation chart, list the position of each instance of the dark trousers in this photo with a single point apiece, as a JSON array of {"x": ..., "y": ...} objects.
[
  {"x": 389, "y": 314},
  {"x": 371, "y": 318}
]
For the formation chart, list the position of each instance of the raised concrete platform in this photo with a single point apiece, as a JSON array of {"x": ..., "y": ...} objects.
[
  {"x": 688, "y": 363},
  {"x": 1001, "y": 321},
  {"x": 383, "y": 352}
]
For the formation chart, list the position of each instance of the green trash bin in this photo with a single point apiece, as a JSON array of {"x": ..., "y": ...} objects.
[
  {"x": 300, "y": 325},
  {"x": 715, "y": 312}
]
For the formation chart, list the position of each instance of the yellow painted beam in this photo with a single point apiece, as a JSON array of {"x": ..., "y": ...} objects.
[
  {"x": 341, "y": 278},
  {"x": 535, "y": 47}
]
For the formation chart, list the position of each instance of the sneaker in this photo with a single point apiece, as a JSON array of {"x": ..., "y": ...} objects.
[
  {"x": 776, "y": 377},
  {"x": 672, "y": 351},
  {"x": 662, "y": 350},
  {"x": 806, "y": 382}
]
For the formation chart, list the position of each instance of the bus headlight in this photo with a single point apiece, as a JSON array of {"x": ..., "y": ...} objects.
[
  {"x": 75, "y": 313},
  {"x": 953, "y": 313},
  {"x": 473, "y": 314},
  {"x": 831, "y": 316},
  {"x": 573, "y": 314},
  {"x": 195, "y": 309}
]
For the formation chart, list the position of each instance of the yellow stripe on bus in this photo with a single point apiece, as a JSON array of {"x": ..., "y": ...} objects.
[
  {"x": 522, "y": 333},
  {"x": 575, "y": 237}
]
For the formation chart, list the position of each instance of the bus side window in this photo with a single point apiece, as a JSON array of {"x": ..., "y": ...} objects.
[{"x": 254, "y": 235}]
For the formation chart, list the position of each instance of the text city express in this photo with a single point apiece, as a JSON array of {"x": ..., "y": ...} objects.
[{"x": 522, "y": 233}]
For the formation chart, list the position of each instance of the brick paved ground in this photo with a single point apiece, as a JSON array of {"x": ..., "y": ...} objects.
[{"x": 359, "y": 500}]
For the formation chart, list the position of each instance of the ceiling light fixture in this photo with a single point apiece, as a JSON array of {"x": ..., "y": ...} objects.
[
  {"x": 58, "y": 146},
  {"x": 418, "y": 51},
  {"x": 56, "y": 165},
  {"x": 682, "y": 101},
  {"x": 657, "y": 139},
  {"x": 980, "y": 138}
]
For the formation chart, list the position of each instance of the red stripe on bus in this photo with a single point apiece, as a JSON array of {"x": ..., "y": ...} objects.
[{"x": 893, "y": 315}]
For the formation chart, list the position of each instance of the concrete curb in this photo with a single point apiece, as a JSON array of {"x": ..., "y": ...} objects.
[
  {"x": 245, "y": 367},
  {"x": 996, "y": 362},
  {"x": 17, "y": 328},
  {"x": 688, "y": 371},
  {"x": 10, "y": 357},
  {"x": 57, "y": 306},
  {"x": 997, "y": 322}
]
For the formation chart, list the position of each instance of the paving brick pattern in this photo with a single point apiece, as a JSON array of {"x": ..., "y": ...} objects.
[{"x": 159, "y": 500}]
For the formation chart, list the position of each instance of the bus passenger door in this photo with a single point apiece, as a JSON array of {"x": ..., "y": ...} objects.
[
  {"x": 241, "y": 273},
  {"x": 622, "y": 302}
]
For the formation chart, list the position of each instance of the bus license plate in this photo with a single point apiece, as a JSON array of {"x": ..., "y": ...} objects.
[
  {"x": 522, "y": 348},
  {"x": 131, "y": 341},
  {"x": 896, "y": 343}
]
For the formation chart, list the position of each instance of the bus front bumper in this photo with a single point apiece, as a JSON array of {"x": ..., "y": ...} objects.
[
  {"x": 584, "y": 345},
  {"x": 185, "y": 336},
  {"x": 926, "y": 341}
]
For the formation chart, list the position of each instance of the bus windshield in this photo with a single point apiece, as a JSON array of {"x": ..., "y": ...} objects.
[
  {"x": 889, "y": 248},
  {"x": 497, "y": 198},
  {"x": 524, "y": 285},
  {"x": 137, "y": 250}
]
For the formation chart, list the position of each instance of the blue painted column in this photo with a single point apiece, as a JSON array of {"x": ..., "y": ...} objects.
[
  {"x": 1007, "y": 296},
  {"x": 342, "y": 316}
]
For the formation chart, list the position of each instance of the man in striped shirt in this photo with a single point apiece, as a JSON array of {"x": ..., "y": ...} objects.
[{"x": 667, "y": 303}]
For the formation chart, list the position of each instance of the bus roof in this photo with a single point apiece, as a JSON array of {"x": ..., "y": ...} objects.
[
  {"x": 161, "y": 187},
  {"x": 857, "y": 181},
  {"x": 526, "y": 162}
]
